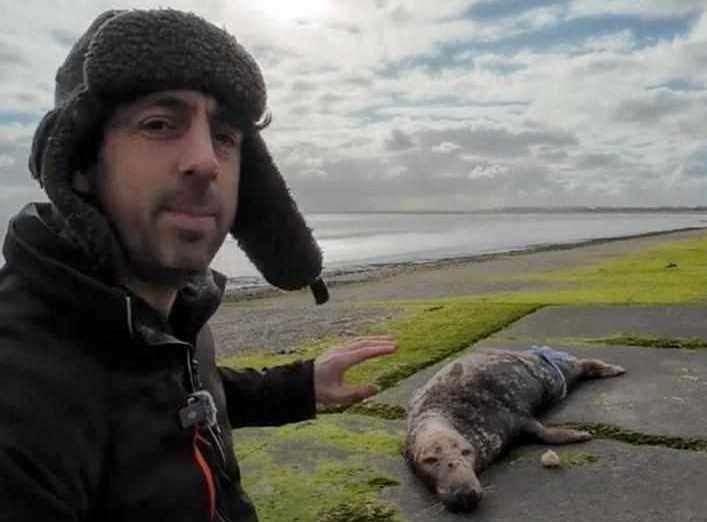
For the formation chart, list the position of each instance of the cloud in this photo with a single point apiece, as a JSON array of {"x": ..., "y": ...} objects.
[
  {"x": 400, "y": 104},
  {"x": 651, "y": 108},
  {"x": 696, "y": 164},
  {"x": 399, "y": 141},
  {"x": 497, "y": 142},
  {"x": 490, "y": 10},
  {"x": 598, "y": 160}
]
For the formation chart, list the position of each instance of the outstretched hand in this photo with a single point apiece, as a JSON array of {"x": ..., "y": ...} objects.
[{"x": 329, "y": 369}]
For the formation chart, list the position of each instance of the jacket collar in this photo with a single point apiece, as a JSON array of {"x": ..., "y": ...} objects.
[{"x": 37, "y": 247}]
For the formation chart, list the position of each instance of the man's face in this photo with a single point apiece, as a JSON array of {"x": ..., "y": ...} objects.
[{"x": 168, "y": 175}]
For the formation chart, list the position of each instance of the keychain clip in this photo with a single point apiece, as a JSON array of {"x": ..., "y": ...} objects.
[{"x": 199, "y": 410}]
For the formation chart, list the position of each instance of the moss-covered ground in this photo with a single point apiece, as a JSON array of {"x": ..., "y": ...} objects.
[
  {"x": 328, "y": 471},
  {"x": 676, "y": 343},
  {"x": 607, "y": 431},
  {"x": 429, "y": 332},
  {"x": 331, "y": 469},
  {"x": 674, "y": 272}
]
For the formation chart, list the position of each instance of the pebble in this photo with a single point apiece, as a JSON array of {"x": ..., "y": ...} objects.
[{"x": 550, "y": 459}]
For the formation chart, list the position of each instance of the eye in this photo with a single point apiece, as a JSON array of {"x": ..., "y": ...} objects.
[
  {"x": 228, "y": 139},
  {"x": 157, "y": 124},
  {"x": 466, "y": 452},
  {"x": 226, "y": 135},
  {"x": 430, "y": 461}
]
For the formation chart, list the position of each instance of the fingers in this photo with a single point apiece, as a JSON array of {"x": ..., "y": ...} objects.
[
  {"x": 356, "y": 393},
  {"x": 329, "y": 369},
  {"x": 358, "y": 342},
  {"x": 363, "y": 349}
]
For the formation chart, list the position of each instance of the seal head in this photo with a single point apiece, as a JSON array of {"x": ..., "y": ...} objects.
[{"x": 446, "y": 463}]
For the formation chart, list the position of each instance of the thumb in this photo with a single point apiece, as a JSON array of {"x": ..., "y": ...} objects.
[{"x": 347, "y": 394}]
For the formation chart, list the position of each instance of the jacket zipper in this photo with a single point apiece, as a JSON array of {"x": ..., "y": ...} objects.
[{"x": 194, "y": 385}]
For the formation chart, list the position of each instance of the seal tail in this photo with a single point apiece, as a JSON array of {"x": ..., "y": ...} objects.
[{"x": 596, "y": 369}]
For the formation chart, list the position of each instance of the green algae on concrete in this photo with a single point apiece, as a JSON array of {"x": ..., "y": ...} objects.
[
  {"x": 259, "y": 359},
  {"x": 674, "y": 272},
  {"x": 432, "y": 331},
  {"x": 607, "y": 431},
  {"x": 379, "y": 409},
  {"x": 677, "y": 343},
  {"x": 371, "y": 512},
  {"x": 328, "y": 469},
  {"x": 429, "y": 332},
  {"x": 621, "y": 339},
  {"x": 573, "y": 458}
]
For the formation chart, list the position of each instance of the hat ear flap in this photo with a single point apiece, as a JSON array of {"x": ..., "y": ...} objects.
[
  {"x": 268, "y": 226},
  {"x": 39, "y": 144}
]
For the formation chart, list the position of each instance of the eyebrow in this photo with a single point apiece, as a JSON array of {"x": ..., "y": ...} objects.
[
  {"x": 221, "y": 115},
  {"x": 166, "y": 101}
]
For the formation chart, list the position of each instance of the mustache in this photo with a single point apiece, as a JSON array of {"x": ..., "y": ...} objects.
[{"x": 197, "y": 203}]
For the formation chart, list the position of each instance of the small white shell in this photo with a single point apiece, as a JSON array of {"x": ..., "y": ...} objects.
[{"x": 550, "y": 459}]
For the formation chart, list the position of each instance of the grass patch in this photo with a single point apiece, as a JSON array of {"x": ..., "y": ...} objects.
[
  {"x": 429, "y": 332},
  {"x": 673, "y": 272},
  {"x": 328, "y": 470},
  {"x": 677, "y": 343}
]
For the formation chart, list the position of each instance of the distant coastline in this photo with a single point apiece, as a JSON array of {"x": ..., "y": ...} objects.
[
  {"x": 246, "y": 288},
  {"x": 528, "y": 210}
]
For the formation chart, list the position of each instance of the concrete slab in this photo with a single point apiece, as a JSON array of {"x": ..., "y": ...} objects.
[
  {"x": 624, "y": 484},
  {"x": 603, "y": 321},
  {"x": 608, "y": 480}
]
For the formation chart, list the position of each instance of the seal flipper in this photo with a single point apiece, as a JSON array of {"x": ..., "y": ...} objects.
[
  {"x": 553, "y": 435},
  {"x": 596, "y": 369}
]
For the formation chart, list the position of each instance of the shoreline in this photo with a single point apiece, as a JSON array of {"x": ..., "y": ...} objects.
[
  {"x": 275, "y": 321},
  {"x": 378, "y": 271}
]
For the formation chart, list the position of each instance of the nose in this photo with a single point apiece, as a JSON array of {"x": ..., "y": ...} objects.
[
  {"x": 461, "y": 499},
  {"x": 198, "y": 156}
]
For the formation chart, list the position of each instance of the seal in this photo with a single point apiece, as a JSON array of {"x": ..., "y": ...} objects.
[{"x": 476, "y": 407}]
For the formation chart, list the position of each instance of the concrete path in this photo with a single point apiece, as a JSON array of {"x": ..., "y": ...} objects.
[
  {"x": 604, "y": 321},
  {"x": 662, "y": 399}
]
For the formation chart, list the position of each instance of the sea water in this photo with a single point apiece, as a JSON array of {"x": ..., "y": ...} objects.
[{"x": 357, "y": 241}]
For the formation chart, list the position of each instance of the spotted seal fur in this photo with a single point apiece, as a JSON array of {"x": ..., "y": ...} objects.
[{"x": 474, "y": 408}]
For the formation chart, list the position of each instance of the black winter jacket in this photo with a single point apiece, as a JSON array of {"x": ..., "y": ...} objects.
[{"x": 92, "y": 382}]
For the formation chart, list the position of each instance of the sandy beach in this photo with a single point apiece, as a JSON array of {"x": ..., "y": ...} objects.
[{"x": 278, "y": 322}]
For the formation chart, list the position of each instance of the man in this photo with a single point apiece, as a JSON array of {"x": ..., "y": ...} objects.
[{"x": 112, "y": 405}]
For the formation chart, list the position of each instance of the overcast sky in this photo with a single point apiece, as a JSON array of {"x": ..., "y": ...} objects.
[{"x": 432, "y": 105}]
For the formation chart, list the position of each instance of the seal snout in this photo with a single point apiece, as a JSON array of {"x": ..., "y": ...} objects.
[
  {"x": 460, "y": 498},
  {"x": 462, "y": 491}
]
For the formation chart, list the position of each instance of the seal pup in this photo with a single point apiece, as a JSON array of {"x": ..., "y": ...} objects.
[{"x": 474, "y": 408}]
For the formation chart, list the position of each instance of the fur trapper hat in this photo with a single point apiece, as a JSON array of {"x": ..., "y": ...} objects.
[{"x": 126, "y": 54}]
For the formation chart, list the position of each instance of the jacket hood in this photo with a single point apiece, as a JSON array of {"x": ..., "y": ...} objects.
[{"x": 37, "y": 246}]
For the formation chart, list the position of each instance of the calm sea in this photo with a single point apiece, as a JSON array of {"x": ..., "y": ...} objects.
[{"x": 355, "y": 242}]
